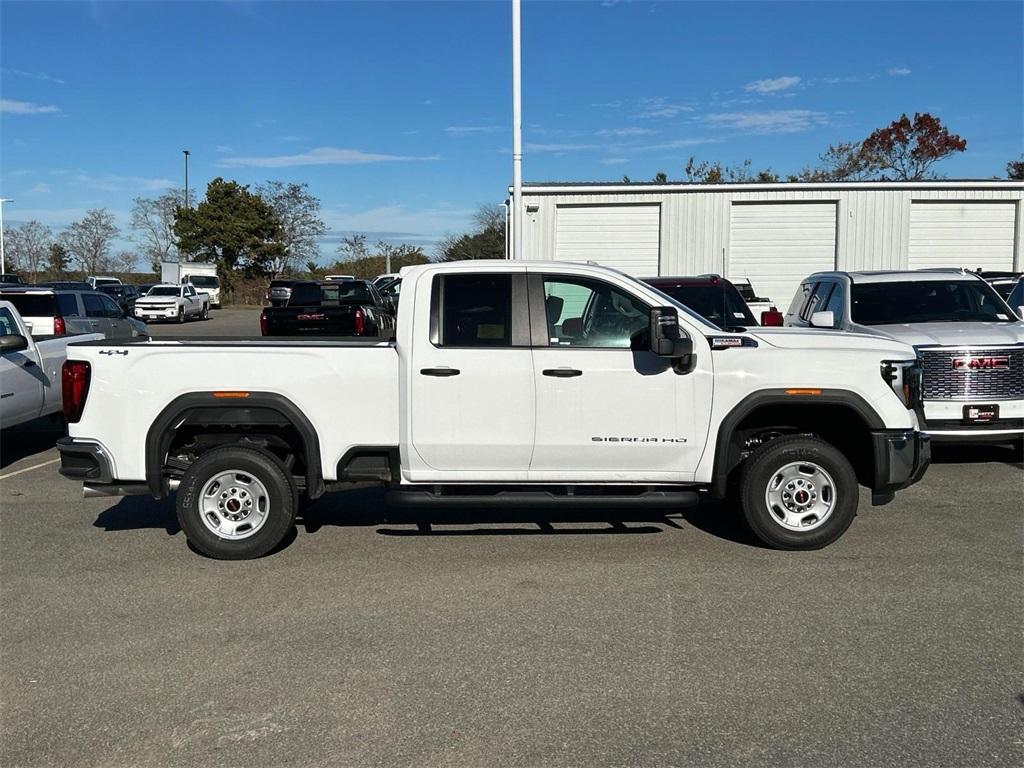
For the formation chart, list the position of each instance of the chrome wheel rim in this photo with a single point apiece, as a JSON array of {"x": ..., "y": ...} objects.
[
  {"x": 234, "y": 505},
  {"x": 800, "y": 496}
]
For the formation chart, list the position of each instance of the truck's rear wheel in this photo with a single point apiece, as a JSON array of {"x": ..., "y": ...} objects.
[
  {"x": 236, "y": 503},
  {"x": 798, "y": 493}
]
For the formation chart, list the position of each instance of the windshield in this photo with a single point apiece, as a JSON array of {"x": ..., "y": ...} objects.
[
  {"x": 204, "y": 281},
  {"x": 673, "y": 302},
  {"x": 927, "y": 301},
  {"x": 32, "y": 304},
  {"x": 716, "y": 303},
  {"x": 113, "y": 290},
  {"x": 164, "y": 290},
  {"x": 107, "y": 281}
]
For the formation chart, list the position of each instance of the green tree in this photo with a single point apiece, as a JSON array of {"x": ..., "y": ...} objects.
[
  {"x": 233, "y": 227},
  {"x": 152, "y": 223},
  {"x": 301, "y": 225},
  {"x": 487, "y": 241},
  {"x": 1015, "y": 169},
  {"x": 660, "y": 177},
  {"x": 57, "y": 260},
  {"x": 88, "y": 241},
  {"x": 359, "y": 261}
]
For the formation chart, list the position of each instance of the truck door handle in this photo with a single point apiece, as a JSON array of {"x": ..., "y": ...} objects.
[
  {"x": 29, "y": 363},
  {"x": 562, "y": 373},
  {"x": 440, "y": 371}
]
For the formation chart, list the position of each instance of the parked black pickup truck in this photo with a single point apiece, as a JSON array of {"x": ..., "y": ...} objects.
[{"x": 335, "y": 308}]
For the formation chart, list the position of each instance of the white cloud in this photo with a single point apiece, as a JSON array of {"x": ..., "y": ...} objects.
[
  {"x": 42, "y": 188},
  {"x": 615, "y": 160},
  {"x": 661, "y": 107},
  {"x": 676, "y": 144},
  {"x": 320, "y": 156},
  {"x": 626, "y": 132},
  {"x": 468, "y": 130},
  {"x": 899, "y": 71},
  {"x": 12, "y": 107},
  {"x": 559, "y": 147},
  {"x": 775, "y": 121},
  {"x": 430, "y": 222},
  {"x": 772, "y": 85},
  {"x": 294, "y": 137},
  {"x": 33, "y": 75},
  {"x": 224, "y": 149},
  {"x": 113, "y": 183}
]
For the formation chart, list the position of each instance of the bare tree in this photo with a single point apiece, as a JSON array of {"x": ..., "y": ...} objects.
[
  {"x": 152, "y": 225},
  {"x": 88, "y": 241},
  {"x": 299, "y": 213},
  {"x": 28, "y": 246},
  {"x": 353, "y": 247},
  {"x": 1015, "y": 169}
]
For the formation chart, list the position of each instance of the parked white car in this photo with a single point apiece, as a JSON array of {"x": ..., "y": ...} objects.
[
  {"x": 970, "y": 341},
  {"x": 95, "y": 281},
  {"x": 173, "y": 303},
  {"x": 757, "y": 304},
  {"x": 202, "y": 275},
  {"x": 30, "y": 369},
  {"x": 509, "y": 383}
]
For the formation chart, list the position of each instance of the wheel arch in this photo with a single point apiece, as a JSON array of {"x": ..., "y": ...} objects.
[
  {"x": 728, "y": 453},
  {"x": 164, "y": 428}
]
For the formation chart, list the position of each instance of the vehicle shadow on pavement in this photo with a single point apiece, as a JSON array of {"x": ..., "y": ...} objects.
[
  {"x": 368, "y": 508},
  {"x": 977, "y": 454},
  {"x": 28, "y": 439}
]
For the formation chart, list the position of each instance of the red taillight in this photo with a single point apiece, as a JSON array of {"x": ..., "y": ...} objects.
[
  {"x": 263, "y": 323},
  {"x": 74, "y": 381},
  {"x": 360, "y": 322},
  {"x": 772, "y": 317},
  {"x": 59, "y": 327}
]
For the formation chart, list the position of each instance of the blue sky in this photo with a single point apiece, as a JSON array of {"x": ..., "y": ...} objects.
[{"x": 397, "y": 115}]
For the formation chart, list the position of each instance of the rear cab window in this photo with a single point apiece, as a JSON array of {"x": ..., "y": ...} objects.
[
  {"x": 473, "y": 310},
  {"x": 33, "y": 304}
]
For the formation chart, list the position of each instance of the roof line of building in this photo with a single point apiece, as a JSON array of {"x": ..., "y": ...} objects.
[{"x": 682, "y": 186}]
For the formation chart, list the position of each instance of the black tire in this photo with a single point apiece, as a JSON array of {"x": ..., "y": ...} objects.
[
  {"x": 267, "y": 470},
  {"x": 181, "y": 315},
  {"x": 767, "y": 462},
  {"x": 206, "y": 313}
]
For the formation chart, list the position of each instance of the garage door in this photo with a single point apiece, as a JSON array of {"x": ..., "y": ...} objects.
[
  {"x": 962, "y": 234},
  {"x": 625, "y": 237},
  {"x": 776, "y": 245}
]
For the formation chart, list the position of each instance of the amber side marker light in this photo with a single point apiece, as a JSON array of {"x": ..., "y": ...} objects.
[
  {"x": 803, "y": 391},
  {"x": 231, "y": 394}
]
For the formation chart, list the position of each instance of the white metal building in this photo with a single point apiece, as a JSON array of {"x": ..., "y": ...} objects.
[{"x": 777, "y": 234}]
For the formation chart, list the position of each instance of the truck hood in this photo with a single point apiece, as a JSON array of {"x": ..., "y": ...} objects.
[
  {"x": 951, "y": 334},
  {"x": 156, "y": 300},
  {"x": 813, "y": 338}
]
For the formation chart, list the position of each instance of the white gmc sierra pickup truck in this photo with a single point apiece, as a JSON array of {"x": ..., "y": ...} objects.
[{"x": 508, "y": 383}]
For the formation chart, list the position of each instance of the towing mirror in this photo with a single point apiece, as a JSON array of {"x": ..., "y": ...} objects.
[
  {"x": 12, "y": 342},
  {"x": 823, "y": 319},
  {"x": 664, "y": 337}
]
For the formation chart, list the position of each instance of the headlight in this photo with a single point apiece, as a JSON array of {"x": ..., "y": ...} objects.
[{"x": 904, "y": 377}]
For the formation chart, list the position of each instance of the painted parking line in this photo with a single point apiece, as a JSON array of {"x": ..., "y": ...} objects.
[{"x": 29, "y": 469}]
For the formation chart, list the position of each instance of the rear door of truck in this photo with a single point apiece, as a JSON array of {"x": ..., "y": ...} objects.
[{"x": 472, "y": 404}]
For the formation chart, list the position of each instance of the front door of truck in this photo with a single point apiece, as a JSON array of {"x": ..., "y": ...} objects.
[
  {"x": 603, "y": 408},
  {"x": 471, "y": 412}
]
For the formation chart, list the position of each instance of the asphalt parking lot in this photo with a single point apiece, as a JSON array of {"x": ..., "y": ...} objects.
[{"x": 379, "y": 638}]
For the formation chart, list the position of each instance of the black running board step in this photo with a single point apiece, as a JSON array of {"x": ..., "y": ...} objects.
[{"x": 669, "y": 500}]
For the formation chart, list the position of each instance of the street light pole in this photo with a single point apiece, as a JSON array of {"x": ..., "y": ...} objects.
[
  {"x": 186, "y": 153},
  {"x": 517, "y": 135},
  {"x": 3, "y": 256}
]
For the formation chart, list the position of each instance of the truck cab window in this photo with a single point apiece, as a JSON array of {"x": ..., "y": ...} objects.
[
  {"x": 7, "y": 324},
  {"x": 591, "y": 313},
  {"x": 475, "y": 310}
]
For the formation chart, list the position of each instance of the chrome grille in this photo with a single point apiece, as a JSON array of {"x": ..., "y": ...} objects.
[{"x": 942, "y": 381}]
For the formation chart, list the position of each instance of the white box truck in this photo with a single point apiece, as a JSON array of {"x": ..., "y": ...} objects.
[{"x": 202, "y": 275}]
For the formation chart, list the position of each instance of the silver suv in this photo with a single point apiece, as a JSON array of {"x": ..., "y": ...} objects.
[{"x": 971, "y": 344}]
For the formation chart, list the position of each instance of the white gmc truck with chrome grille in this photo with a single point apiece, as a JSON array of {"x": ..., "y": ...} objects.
[
  {"x": 971, "y": 344},
  {"x": 507, "y": 384}
]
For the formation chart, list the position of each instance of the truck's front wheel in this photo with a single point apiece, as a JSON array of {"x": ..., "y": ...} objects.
[
  {"x": 798, "y": 493},
  {"x": 236, "y": 503}
]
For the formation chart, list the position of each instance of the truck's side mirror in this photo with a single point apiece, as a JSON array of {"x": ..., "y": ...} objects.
[
  {"x": 824, "y": 319},
  {"x": 663, "y": 336},
  {"x": 12, "y": 342}
]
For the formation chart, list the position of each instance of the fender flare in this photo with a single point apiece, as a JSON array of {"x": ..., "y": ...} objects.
[
  {"x": 158, "y": 438},
  {"x": 761, "y": 398}
]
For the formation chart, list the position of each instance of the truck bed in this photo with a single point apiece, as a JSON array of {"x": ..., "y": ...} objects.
[{"x": 348, "y": 389}]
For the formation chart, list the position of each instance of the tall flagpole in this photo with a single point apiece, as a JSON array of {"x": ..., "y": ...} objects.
[{"x": 517, "y": 135}]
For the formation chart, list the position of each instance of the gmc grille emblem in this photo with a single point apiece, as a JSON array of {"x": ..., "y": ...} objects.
[{"x": 999, "y": 363}]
